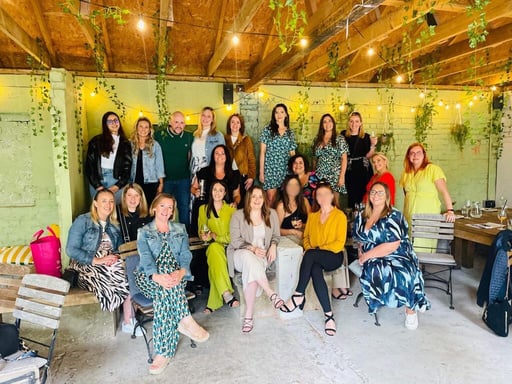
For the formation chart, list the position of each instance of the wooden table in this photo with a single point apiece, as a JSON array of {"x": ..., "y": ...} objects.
[{"x": 467, "y": 237}]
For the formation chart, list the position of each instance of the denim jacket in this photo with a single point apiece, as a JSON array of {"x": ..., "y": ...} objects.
[
  {"x": 212, "y": 142},
  {"x": 149, "y": 246},
  {"x": 84, "y": 238},
  {"x": 152, "y": 167}
]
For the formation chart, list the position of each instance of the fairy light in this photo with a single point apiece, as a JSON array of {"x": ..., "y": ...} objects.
[
  {"x": 141, "y": 25},
  {"x": 235, "y": 40},
  {"x": 301, "y": 106},
  {"x": 379, "y": 107},
  {"x": 93, "y": 94},
  {"x": 475, "y": 97},
  {"x": 141, "y": 113},
  {"x": 447, "y": 107},
  {"x": 422, "y": 95},
  {"x": 303, "y": 42},
  {"x": 399, "y": 78},
  {"x": 370, "y": 52},
  {"x": 229, "y": 107},
  {"x": 457, "y": 106},
  {"x": 413, "y": 109},
  {"x": 187, "y": 118},
  {"x": 440, "y": 103},
  {"x": 260, "y": 94},
  {"x": 341, "y": 107},
  {"x": 471, "y": 103},
  {"x": 494, "y": 88}
]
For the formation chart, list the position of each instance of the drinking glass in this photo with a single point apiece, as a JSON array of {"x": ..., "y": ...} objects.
[
  {"x": 296, "y": 222},
  {"x": 204, "y": 232},
  {"x": 502, "y": 215},
  {"x": 476, "y": 211}
]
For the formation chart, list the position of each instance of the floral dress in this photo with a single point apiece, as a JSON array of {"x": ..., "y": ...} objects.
[
  {"x": 276, "y": 156},
  {"x": 394, "y": 280},
  {"x": 328, "y": 164},
  {"x": 309, "y": 188}
]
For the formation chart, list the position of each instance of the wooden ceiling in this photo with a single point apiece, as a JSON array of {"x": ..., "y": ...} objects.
[{"x": 200, "y": 41}]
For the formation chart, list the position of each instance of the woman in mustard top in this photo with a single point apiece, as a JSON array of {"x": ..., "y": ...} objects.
[{"x": 324, "y": 240}]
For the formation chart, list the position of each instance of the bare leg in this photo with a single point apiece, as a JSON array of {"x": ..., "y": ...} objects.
[
  {"x": 127, "y": 311},
  {"x": 250, "y": 297},
  {"x": 271, "y": 196}
]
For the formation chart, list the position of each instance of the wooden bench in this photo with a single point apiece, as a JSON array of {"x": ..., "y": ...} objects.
[{"x": 10, "y": 281}]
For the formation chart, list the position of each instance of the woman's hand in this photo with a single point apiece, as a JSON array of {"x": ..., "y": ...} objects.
[
  {"x": 271, "y": 253},
  {"x": 248, "y": 183},
  {"x": 361, "y": 255},
  {"x": 449, "y": 216},
  {"x": 168, "y": 280},
  {"x": 373, "y": 140},
  {"x": 298, "y": 233},
  {"x": 341, "y": 181},
  {"x": 262, "y": 177},
  {"x": 260, "y": 252},
  {"x": 106, "y": 260}
]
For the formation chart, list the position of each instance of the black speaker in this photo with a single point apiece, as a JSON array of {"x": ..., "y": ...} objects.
[
  {"x": 431, "y": 19},
  {"x": 497, "y": 102},
  {"x": 227, "y": 93}
]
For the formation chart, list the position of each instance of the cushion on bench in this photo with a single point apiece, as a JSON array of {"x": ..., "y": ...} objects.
[{"x": 18, "y": 254}]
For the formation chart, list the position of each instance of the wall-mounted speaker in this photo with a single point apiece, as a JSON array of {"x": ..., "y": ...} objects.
[
  {"x": 227, "y": 93},
  {"x": 497, "y": 102},
  {"x": 431, "y": 19}
]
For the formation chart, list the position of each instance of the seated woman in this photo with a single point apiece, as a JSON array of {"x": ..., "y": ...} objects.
[
  {"x": 324, "y": 240},
  {"x": 391, "y": 275},
  {"x": 292, "y": 210},
  {"x": 216, "y": 216},
  {"x": 133, "y": 211},
  {"x": 162, "y": 274},
  {"x": 298, "y": 165},
  {"x": 93, "y": 242},
  {"x": 254, "y": 236}
]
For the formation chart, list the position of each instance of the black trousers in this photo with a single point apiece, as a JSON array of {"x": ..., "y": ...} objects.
[{"x": 314, "y": 263}]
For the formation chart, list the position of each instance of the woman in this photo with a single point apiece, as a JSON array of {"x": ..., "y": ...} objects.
[
  {"x": 254, "y": 237},
  {"x": 92, "y": 245},
  {"x": 361, "y": 147},
  {"x": 293, "y": 210},
  {"x": 324, "y": 241},
  {"x": 330, "y": 154},
  {"x": 162, "y": 274},
  {"x": 216, "y": 215},
  {"x": 147, "y": 162},
  {"x": 133, "y": 211},
  {"x": 381, "y": 173},
  {"x": 241, "y": 151},
  {"x": 109, "y": 158},
  {"x": 218, "y": 170},
  {"x": 298, "y": 165},
  {"x": 206, "y": 138},
  {"x": 277, "y": 144},
  {"x": 390, "y": 274}
]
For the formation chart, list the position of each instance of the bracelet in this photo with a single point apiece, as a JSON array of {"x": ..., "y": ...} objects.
[{"x": 450, "y": 210}]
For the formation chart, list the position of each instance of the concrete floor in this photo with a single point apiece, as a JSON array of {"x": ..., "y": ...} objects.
[{"x": 450, "y": 346}]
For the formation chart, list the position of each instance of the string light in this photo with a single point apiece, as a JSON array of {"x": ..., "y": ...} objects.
[
  {"x": 379, "y": 107},
  {"x": 229, "y": 107},
  {"x": 141, "y": 113},
  {"x": 413, "y": 109},
  {"x": 399, "y": 78},
  {"x": 303, "y": 42},
  {"x": 447, "y": 107},
  {"x": 471, "y": 103},
  {"x": 301, "y": 106},
  {"x": 235, "y": 40},
  {"x": 475, "y": 97},
  {"x": 440, "y": 103},
  {"x": 341, "y": 107},
  {"x": 370, "y": 51},
  {"x": 457, "y": 106},
  {"x": 422, "y": 95},
  {"x": 93, "y": 94},
  {"x": 260, "y": 94},
  {"x": 187, "y": 118},
  {"x": 141, "y": 25},
  {"x": 493, "y": 88}
]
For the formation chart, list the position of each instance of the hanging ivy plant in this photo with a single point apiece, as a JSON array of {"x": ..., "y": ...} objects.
[
  {"x": 289, "y": 22},
  {"x": 79, "y": 132},
  {"x": 460, "y": 134},
  {"x": 495, "y": 131},
  {"x": 423, "y": 121}
]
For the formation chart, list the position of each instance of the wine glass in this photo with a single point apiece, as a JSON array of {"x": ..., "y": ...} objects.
[
  {"x": 296, "y": 222},
  {"x": 204, "y": 232},
  {"x": 502, "y": 215}
]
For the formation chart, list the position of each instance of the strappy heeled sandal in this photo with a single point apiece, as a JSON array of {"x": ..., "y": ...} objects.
[
  {"x": 329, "y": 331},
  {"x": 276, "y": 301},
  {"x": 248, "y": 325},
  {"x": 284, "y": 307}
]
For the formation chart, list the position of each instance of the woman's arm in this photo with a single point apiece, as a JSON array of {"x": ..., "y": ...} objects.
[
  {"x": 159, "y": 167},
  {"x": 341, "y": 179},
  {"x": 236, "y": 230},
  {"x": 263, "y": 150},
  {"x": 147, "y": 262},
  {"x": 280, "y": 216},
  {"x": 381, "y": 250},
  {"x": 194, "y": 187},
  {"x": 236, "y": 197},
  {"x": 443, "y": 190},
  {"x": 251, "y": 159},
  {"x": 74, "y": 244}
]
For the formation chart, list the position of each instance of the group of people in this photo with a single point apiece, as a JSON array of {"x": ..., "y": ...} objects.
[{"x": 152, "y": 176}]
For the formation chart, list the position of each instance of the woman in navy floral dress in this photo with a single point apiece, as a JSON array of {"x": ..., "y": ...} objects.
[{"x": 390, "y": 274}]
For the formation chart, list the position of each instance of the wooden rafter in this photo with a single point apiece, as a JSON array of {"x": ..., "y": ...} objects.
[
  {"x": 220, "y": 25},
  {"x": 38, "y": 13},
  {"x": 488, "y": 72},
  {"x": 162, "y": 30},
  {"x": 242, "y": 20},
  {"x": 106, "y": 42},
  {"x": 270, "y": 37}
]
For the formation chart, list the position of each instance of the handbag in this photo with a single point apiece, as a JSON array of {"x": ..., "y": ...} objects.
[
  {"x": 497, "y": 315},
  {"x": 9, "y": 339},
  {"x": 128, "y": 248},
  {"x": 71, "y": 276},
  {"x": 46, "y": 253}
]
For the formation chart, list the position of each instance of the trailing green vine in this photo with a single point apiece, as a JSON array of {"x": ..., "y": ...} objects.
[
  {"x": 495, "y": 131},
  {"x": 79, "y": 132},
  {"x": 460, "y": 134},
  {"x": 289, "y": 22},
  {"x": 423, "y": 120}
]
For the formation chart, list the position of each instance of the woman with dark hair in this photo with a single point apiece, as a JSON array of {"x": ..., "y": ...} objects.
[
  {"x": 254, "y": 237},
  {"x": 147, "y": 162},
  {"x": 216, "y": 216},
  {"x": 390, "y": 275},
  {"x": 359, "y": 169},
  {"x": 292, "y": 210},
  {"x": 277, "y": 144},
  {"x": 330, "y": 155},
  {"x": 298, "y": 165},
  {"x": 109, "y": 157},
  {"x": 241, "y": 151},
  {"x": 324, "y": 240}
]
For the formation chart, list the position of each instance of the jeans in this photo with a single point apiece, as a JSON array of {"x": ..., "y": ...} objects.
[
  {"x": 180, "y": 189},
  {"x": 107, "y": 180}
]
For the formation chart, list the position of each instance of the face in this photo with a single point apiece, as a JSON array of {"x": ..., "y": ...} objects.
[
  {"x": 327, "y": 124},
  {"x": 132, "y": 199},
  {"x": 280, "y": 114},
  {"x": 143, "y": 129},
  {"x": 206, "y": 118},
  {"x": 164, "y": 209},
  {"x": 379, "y": 164},
  {"x": 219, "y": 156},
  {"x": 177, "y": 123},
  {"x": 416, "y": 156},
  {"x": 104, "y": 204},
  {"x": 378, "y": 196},
  {"x": 298, "y": 167},
  {"x": 235, "y": 125},
  {"x": 256, "y": 201},
  {"x": 218, "y": 192},
  {"x": 354, "y": 123},
  {"x": 113, "y": 124},
  {"x": 324, "y": 197},
  {"x": 293, "y": 188}
]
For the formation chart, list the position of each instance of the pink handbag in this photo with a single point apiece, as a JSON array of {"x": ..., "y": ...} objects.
[{"x": 46, "y": 253}]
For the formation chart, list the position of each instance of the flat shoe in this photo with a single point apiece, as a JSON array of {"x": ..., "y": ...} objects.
[
  {"x": 248, "y": 325},
  {"x": 198, "y": 339},
  {"x": 158, "y": 369}
]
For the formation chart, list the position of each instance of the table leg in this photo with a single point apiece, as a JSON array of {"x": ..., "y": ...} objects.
[{"x": 464, "y": 252}]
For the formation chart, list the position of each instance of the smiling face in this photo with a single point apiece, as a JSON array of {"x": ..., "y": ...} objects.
[
  {"x": 298, "y": 166},
  {"x": 177, "y": 123},
  {"x": 235, "y": 125},
  {"x": 280, "y": 115},
  {"x": 257, "y": 200},
  {"x": 132, "y": 199},
  {"x": 327, "y": 124},
  {"x": 104, "y": 205},
  {"x": 143, "y": 129},
  {"x": 354, "y": 124},
  {"x": 378, "y": 197},
  {"x": 416, "y": 157},
  {"x": 113, "y": 124},
  {"x": 218, "y": 192},
  {"x": 164, "y": 209},
  {"x": 379, "y": 164},
  {"x": 206, "y": 118},
  {"x": 219, "y": 156},
  {"x": 292, "y": 188}
]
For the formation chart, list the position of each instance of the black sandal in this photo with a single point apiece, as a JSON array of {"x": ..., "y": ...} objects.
[
  {"x": 284, "y": 307},
  {"x": 329, "y": 331},
  {"x": 232, "y": 302},
  {"x": 342, "y": 296}
]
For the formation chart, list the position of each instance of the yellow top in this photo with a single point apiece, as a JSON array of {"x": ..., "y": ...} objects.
[{"x": 330, "y": 235}]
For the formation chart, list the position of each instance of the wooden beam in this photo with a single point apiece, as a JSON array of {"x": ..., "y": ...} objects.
[
  {"x": 491, "y": 70},
  {"x": 16, "y": 33},
  {"x": 270, "y": 37},
  {"x": 311, "y": 7},
  {"x": 329, "y": 20},
  {"x": 220, "y": 25},
  {"x": 162, "y": 30},
  {"x": 106, "y": 42},
  {"x": 38, "y": 13},
  {"x": 242, "y": 20}
]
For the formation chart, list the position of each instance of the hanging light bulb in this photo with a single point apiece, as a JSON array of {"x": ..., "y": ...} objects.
[
  {"x": 229, "y": 107},
  {"x": 399, "y": 78},
  {"x": 141, "y": 113},
  {"x": 447, "y": 107},
  {"x": 493, "y": 88},
  {"x": 341, "y": 107},
  {"x": 141, "y": 25},
  {"x": 457, "y": 106},
  {"x": 370, "y": 51},
  {"x": 379, "y": 107},
  {"x": 235, "y": 40},
  {"x": 413, "y": 109},
  {"x": 440, "y": 103},
  {"x": 260, "y": 94},
  {"x": 422, "y": 95},
  {"x": 471, "y": 103},
  {"x": 303, "y": 42},
  {"x": 93, "y": 93},
  {"x": 187, "y": 118}
]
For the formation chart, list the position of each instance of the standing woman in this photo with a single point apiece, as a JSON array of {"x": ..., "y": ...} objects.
[
  {"x": 330, "y": 153},
  {"x": 206, "y": 138},
  {"x": 216, "y": 215},
  {"x": 109, "y": 158},
  {"x": 254, "y": 237},
  {"x": 298, "y": 165},
  {"x": 324, "y": 240},
  {"x": 362, "y": 148},
  {"x": 162, "y": 275},
  {"x": 381, "y": 173},
  {"x": 241, "y": 151},
  {"x": 148, "y": 163},
  {"x": 277, "y": 144}
]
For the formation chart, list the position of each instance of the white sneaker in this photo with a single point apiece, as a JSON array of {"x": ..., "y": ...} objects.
[
  {"x": 411, "y": 321},
  {"x": 128, "y": 328}
]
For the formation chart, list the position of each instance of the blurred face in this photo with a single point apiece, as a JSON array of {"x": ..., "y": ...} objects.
[
  {"x": 104, "y": 205},
  {"x": 132, "y": 199},
  {"x": 113, "y": 124},
  {"x": 235, "y": 125},
  {"x": 293, "y": 188},
  {"x": 378, "y": 196},
  {"x": 354, "y": 124},
  {"x": 219, "y": 156},
  {"x": 177, "y": 123},
  {"x": 416, "y": 156},
  {"x": 379, "y": 164},
  {"x": 280, "y": 115},
  {"x": 327, "y": 124},
  {"x": 256, "y": 201},
  {"x": 324, "y": 197},
  {"x": 164, "y": 209},
  {"x": 218, "y": 192},
  {"x": 143, "y": 129},
  {"x": 298, "y": 167},
  {"x": 206, "y": 118}
]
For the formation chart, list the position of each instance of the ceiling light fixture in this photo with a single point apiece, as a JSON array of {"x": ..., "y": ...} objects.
[
  {"x": 141, "y": 25},
  {"x": 303, "y": 42},
  {"x": 370, "y": 51},
  {"x": 235, "y": 40}
]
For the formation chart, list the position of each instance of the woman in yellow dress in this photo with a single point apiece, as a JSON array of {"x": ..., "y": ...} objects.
[{"x": 216, "y": 216}]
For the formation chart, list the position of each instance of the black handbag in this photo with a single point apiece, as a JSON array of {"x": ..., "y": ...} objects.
[
  {"x": 497, "y": 315},
  {"x": 9, "y": 339},
  {"x": 71, "y": 276}
]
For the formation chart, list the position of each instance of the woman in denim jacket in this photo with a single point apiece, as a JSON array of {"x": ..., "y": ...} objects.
[
  {"x": 162, "y": 274},
  {"x": 92, "y": 245}
]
